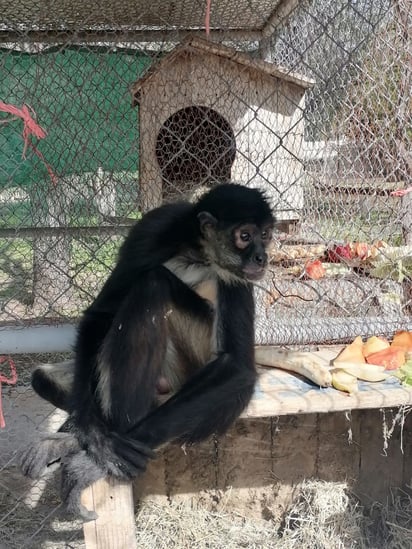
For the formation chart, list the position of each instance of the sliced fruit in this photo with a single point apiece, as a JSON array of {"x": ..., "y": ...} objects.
[
  {"x": 341, "y": 252},
  {"x": 352, "y": 352},
  {"x": 376, "y": 247},
  {"x": 392, "y": 358},
  {"x": 361, "y": 250},
  {"x": 365, "y": 372},
  {"x": 374, "y": 345},
  {"x": 315, "y": 269},
  {"x": 403, "y": 340},
  {"x": 342, "y": 381}
]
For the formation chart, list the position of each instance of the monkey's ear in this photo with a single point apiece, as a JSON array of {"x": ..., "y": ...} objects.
[{"x": 206, "y": 222}]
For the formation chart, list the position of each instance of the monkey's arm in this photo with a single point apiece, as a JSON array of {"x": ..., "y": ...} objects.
[
  {"x": 149, "y": 244},
  {"x": 214, "y": 397}
]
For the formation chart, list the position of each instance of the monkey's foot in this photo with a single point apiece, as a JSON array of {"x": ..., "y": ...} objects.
[{"x": 41, "y": 455}]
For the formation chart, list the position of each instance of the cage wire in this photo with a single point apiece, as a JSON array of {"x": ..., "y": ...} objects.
[{"x": 311, "y": 102}]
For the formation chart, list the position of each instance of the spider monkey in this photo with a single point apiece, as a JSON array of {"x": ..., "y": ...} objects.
[{"x": 175, "y": 316}]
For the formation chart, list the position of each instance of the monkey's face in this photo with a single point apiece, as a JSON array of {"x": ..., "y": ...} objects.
[
  {"x": 240, "y": 250},
  {"x": 250, "y": 243}
]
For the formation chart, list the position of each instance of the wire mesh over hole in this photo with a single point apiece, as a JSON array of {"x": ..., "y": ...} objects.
[{"x": 195, "y": 146}]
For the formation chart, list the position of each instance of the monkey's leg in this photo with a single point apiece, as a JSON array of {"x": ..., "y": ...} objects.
[
  {"x": 79, "y": 471},
  {"x": 128, "y": 367},
  {"x": 129, "y": 361},
  {"x": 54, "y": 382},
  {"x": 129, "y": 364}
]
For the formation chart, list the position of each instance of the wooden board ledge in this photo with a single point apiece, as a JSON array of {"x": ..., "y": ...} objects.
[{"x": 281, "y": 393}]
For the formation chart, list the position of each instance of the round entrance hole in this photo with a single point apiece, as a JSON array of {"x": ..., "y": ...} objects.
[{"x": 195, "y": 146}]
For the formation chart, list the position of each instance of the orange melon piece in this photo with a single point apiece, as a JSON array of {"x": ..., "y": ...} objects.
[
  {"x": 392, "y": 358},
  {"x": 375, "y": 344},
  {"x": 352, "y": 352},
  {"x": 403, "y": 340}
]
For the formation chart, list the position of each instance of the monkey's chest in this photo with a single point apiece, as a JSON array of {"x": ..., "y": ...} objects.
[
  {"x": 192, "y": 338},
  {"x": 208, "y": 290}
]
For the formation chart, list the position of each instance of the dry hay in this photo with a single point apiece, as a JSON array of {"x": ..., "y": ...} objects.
[
  {"x": 322, "y": 516},
  {"x": 391, "y": 525}
]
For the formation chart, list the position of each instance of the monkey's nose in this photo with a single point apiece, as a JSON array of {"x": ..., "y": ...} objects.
[{"x": 260, "y": 259}]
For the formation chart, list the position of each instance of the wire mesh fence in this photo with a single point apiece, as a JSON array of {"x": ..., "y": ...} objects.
[{"x": 309, "y": 100}]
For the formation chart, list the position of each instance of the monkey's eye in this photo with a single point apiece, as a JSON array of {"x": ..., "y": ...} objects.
[
  {"x": 266, "y": 235},
  {"x": 245, "y": 236}
]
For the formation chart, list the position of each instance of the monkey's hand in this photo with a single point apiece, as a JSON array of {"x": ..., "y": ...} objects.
[
  {"x": 112, "y": 455},
  {"x": 132, "y": 454},
  {"x": 41, "y": 455}
]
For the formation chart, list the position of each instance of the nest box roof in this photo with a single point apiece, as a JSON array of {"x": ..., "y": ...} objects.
[{"x": 201, "y": 46}]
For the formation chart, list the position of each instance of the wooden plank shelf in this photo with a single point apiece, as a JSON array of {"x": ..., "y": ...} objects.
[{"x": 280, "y": 393}]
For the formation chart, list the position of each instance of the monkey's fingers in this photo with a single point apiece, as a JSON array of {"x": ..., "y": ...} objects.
[
  {"x": 80, "y": 511},
  {"x": 36, "y": 458},
  {"x": 26, "y": 462},
  {"x": 135, "y": 454},
  {"x": 40, "y": 455}
]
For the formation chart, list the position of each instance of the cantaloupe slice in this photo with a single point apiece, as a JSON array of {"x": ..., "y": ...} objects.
[
  {"x": 352, "y": 352},
  {"x": 392, "y": 358},
  {"x": 403, "y": 340},
  {"x": 375, "y": 344}
]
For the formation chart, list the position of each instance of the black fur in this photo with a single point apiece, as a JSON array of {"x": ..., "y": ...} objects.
[{"x": 147, "y": 307}]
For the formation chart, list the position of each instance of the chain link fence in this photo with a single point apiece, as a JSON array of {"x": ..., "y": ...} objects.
[
  {"x": 357, "y": 154},
  {"x": 308, "y": 100}
]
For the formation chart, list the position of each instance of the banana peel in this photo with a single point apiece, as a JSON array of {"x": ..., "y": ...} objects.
[
  {"x": 365, "y": 372},
  {"x": 294, "y": 361},
  {"x": 342, "y": 381},
  {"x": 345, "y": 375}
]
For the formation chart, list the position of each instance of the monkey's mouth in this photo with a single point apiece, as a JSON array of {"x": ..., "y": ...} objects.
[{"x": 254, "y": 273}]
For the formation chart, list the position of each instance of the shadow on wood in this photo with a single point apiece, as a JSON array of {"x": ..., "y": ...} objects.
[{"x": 258, "y": 465}]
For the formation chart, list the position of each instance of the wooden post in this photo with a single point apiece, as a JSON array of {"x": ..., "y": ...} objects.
[{"x": 115, "y": 526}]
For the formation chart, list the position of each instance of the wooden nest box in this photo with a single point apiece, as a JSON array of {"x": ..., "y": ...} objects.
[{"x": 209, "y": 114}]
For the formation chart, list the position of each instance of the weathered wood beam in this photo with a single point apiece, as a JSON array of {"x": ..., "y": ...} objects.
[{"x": 115, "y": 526}]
